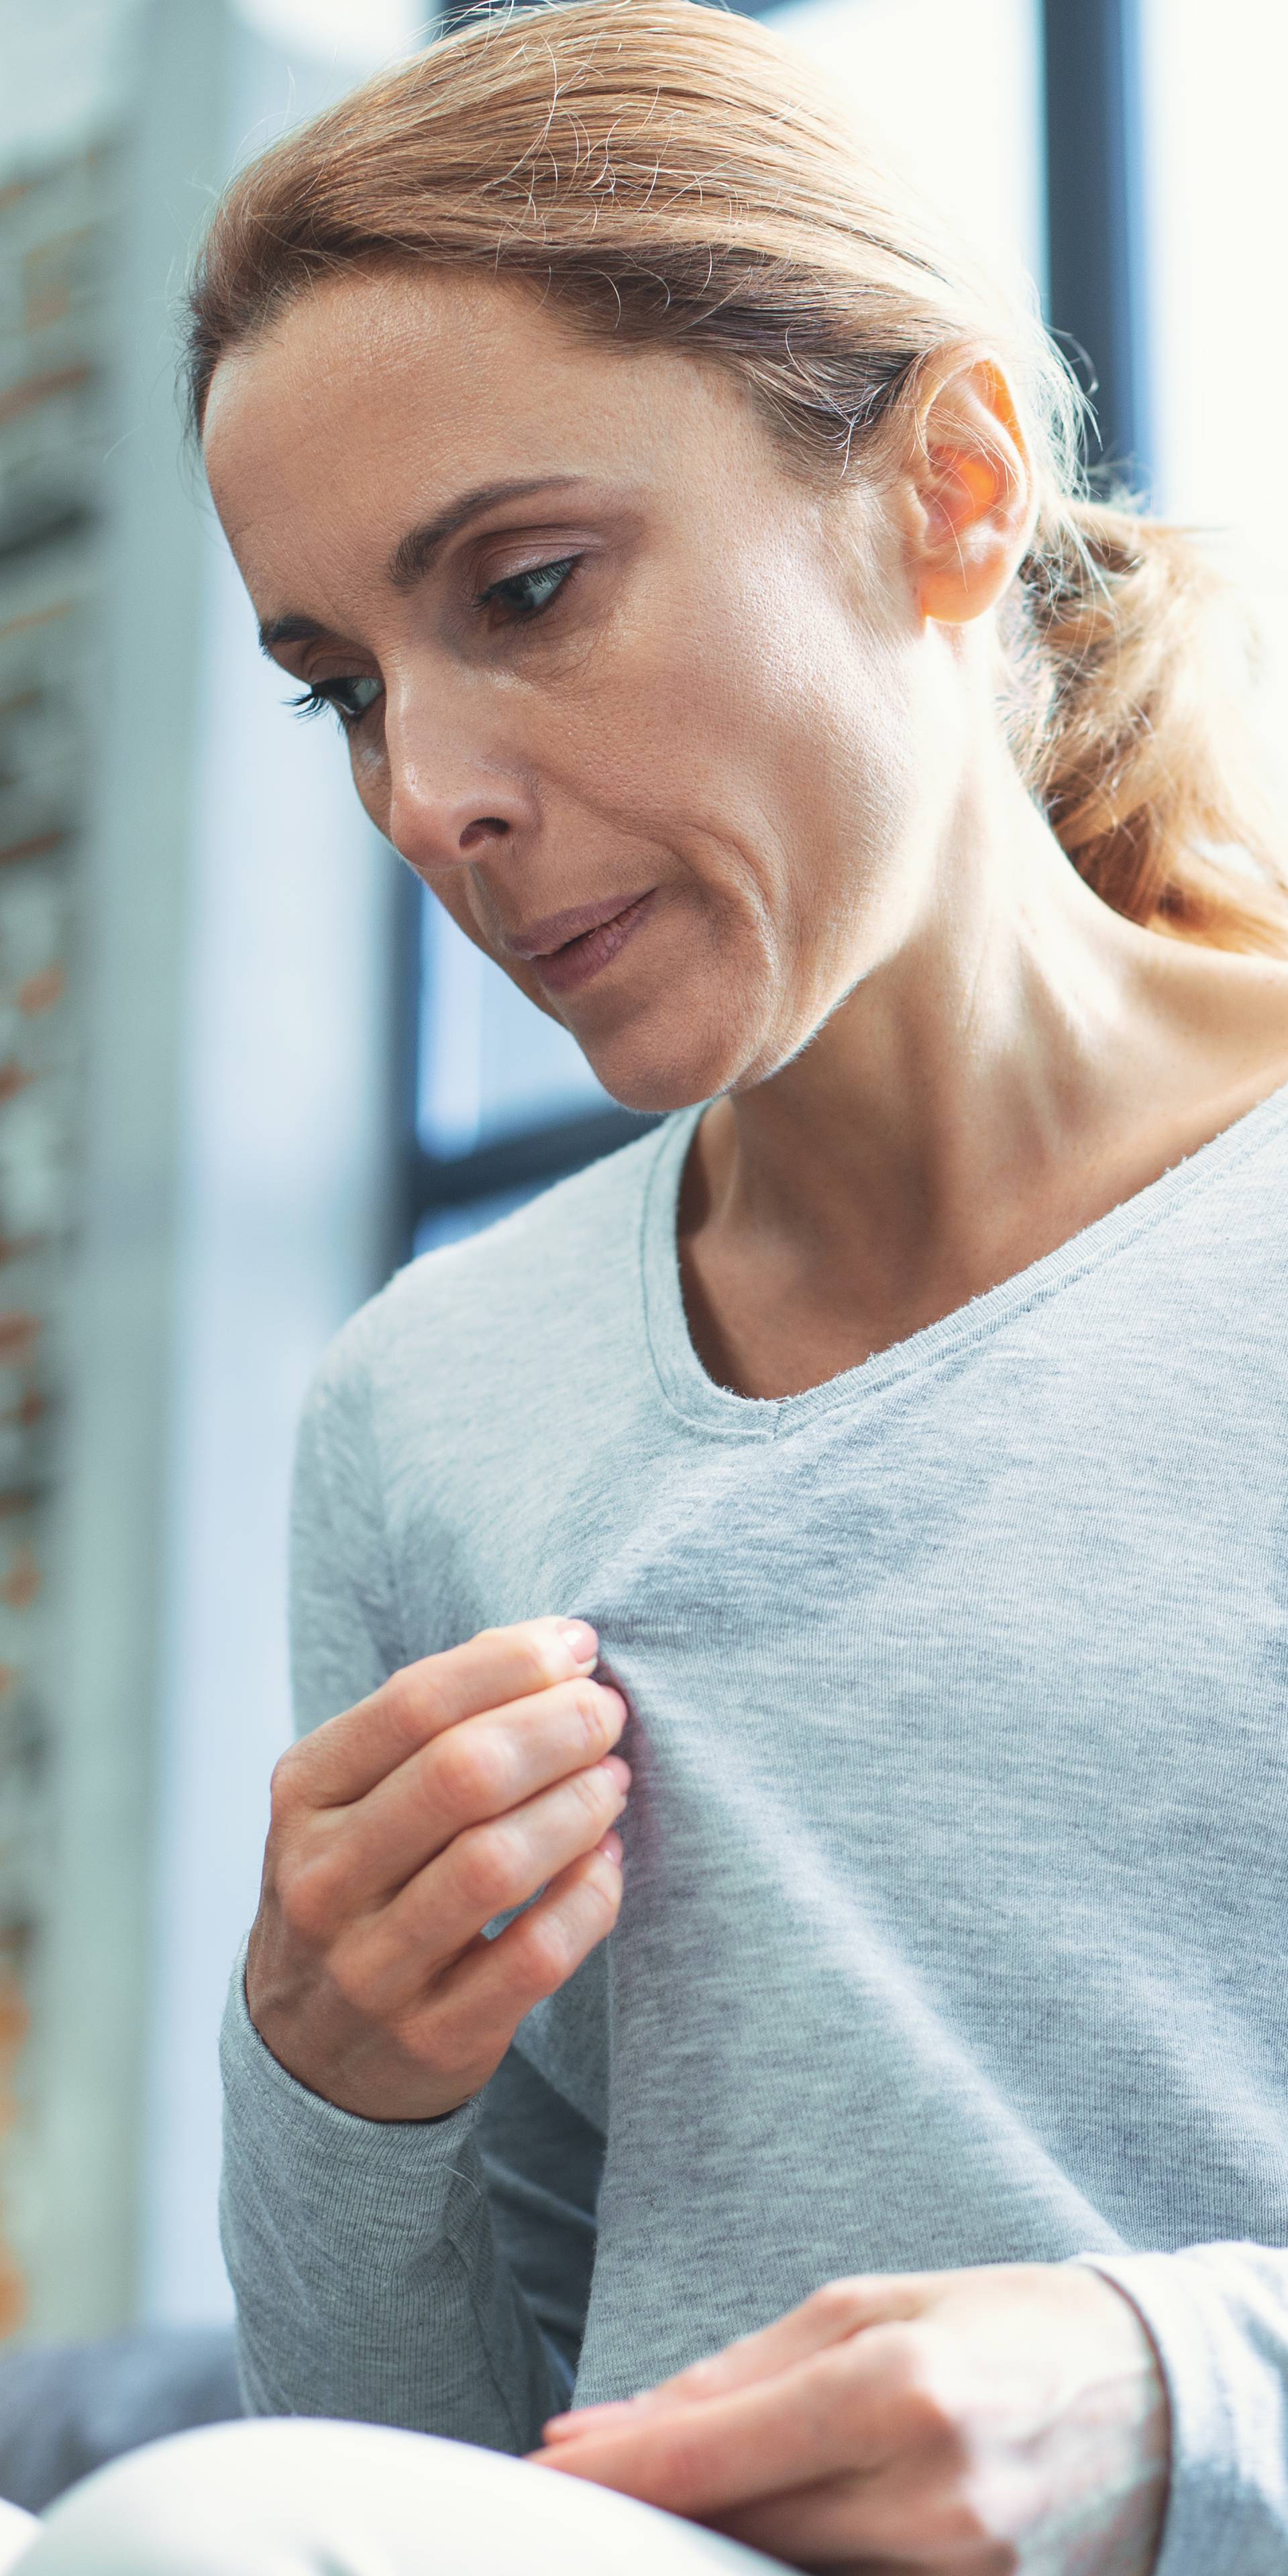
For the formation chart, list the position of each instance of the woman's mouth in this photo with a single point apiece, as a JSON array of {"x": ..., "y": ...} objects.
[{"x": 564, "y": 968}]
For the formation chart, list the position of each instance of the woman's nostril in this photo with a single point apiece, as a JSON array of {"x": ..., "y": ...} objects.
[{"x": 487, "y": 827}]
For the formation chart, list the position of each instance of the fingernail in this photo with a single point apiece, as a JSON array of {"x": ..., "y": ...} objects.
[
  {"x": 580, "y": 1640},
  {"x": 618, "y": 1770},
  {"x": 610, "y": 1844}
]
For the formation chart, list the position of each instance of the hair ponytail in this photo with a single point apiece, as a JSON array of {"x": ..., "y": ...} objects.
[
  {"x": 1134, "y": 744},
  {"x": 667, "y": 171}
]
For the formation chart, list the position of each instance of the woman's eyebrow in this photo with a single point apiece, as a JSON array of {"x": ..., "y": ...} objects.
[
  {"x": 414, "y": 553},
  {"x": 288, "y": 630}
]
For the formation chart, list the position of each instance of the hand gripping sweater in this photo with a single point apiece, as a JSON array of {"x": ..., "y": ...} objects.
[{"x": 957, "y": 1856}]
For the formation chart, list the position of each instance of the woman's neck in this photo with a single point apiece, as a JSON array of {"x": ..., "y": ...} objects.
[{"x": 1021, "y": 1064}]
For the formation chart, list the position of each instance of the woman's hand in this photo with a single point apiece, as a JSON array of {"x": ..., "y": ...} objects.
[
  {"x": 466, "y": 1784},
  {"x": 1001, "y": 2422}
]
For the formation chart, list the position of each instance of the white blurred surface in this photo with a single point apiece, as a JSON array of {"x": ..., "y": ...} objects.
[
  {"x": 282, "y": 1224},
  {"x": 65, "y": 72},
  {"x": 283, "y": 1229},
  {"x": 1215, "y": 84},
  {"x": 348, "y": 34},
  {"x": 951, "y": 91}
]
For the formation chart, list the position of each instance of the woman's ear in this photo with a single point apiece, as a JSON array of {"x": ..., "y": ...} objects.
[{"x": 969, "y": 486}]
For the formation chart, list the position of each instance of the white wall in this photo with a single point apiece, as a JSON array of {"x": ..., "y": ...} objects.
[
  {"x": 68, "y": 68},
  {"x": 77, "y": 2160},
  {"x": 283, "y": 1158},
  {"x": 284, "y": 1222}
]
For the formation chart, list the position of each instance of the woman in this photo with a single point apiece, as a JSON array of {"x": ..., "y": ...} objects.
[{"x": 887, "y": 1450}]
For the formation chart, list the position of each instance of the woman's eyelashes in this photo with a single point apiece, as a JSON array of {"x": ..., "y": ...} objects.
[
  {"x": 520, "y": 596},
  {"x": 525, "y": 594},
  {"x": 348, "y": 698}
]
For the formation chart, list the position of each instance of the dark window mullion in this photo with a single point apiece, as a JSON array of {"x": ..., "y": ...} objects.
[{"x": 1096, "y": 216}]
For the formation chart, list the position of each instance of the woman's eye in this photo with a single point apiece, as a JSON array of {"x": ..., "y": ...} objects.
[
  {"x": 348, "y": 698},
  {"x": 525, "y": 594}
]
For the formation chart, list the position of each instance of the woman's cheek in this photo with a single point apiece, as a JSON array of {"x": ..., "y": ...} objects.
[{"x": 369, "y": 770}]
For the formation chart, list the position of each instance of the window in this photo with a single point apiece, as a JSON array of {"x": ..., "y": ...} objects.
[
  {"x": 1214, "y": 91},
  {"x": 949, "y": 93},
  {"x": 505, "y": 1101}
]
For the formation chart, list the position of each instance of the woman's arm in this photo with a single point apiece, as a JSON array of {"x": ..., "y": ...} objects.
[
  {"x": 956, "y": 2422},
  {"x": 429, "y": 2272},
  {"x": 962, "y": 2419},
  {"x": 1217, "y": 2316}
]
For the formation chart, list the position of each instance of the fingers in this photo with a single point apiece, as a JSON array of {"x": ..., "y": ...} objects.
[
  {"x": 492, "y": 1989},
  {"x": 853, "y": 2518},
  {"x": 464, "y": 1788},
  {"x": 479, "y": 1768},
  {"x": 471, "y": 2017},
  {"x": 829, "y": 2316},
  {"x": 344, "y": 1759},
  {"x": 912, "y": 2515},
  {"x": 934, "y": 2440},
  {"x": 393, "y": 1953},
  {"x": 423, "y": 2062},
  {"x": 843, "y": 2410}
]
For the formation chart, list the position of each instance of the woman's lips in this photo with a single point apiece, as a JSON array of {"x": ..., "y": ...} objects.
[{"x": 563, "y": 969}]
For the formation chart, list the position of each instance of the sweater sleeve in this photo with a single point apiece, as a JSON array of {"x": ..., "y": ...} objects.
[
  {"x": 430, "y": 2274},
  {"x": 1217, "y": 2316}
]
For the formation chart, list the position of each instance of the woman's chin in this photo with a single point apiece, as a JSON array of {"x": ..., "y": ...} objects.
[{"x": 654, "y": 1079}]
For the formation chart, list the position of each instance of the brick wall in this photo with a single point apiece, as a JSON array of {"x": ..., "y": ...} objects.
[{"x": 56, "y": 229}]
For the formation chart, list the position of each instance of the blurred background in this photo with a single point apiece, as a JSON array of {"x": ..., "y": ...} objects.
[{"x": 244, "y": 1071}]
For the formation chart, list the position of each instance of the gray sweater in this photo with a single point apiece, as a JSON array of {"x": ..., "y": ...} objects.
[{"x": 954, "y": 1918}]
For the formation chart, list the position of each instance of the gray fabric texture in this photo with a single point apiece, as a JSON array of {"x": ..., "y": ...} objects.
[
  {"x": 67, "y": 2408},
  {"x": 953, "y": 1925}
]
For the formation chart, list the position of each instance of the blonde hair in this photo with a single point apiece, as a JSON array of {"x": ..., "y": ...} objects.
[{"x": 670, "y": 173}]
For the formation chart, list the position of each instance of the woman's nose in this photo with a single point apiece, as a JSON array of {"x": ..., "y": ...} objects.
[
  {"x": 449, "y": 808},
  {"x": 433, "y": 832}
]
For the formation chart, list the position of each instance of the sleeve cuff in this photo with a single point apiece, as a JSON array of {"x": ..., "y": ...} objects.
[
  {"x": 1215, "y": 2315},
  {"x": 374, "y": 2182}
]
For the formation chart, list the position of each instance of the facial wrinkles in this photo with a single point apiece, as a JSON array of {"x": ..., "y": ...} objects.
[{"x": 720, "y": 718}]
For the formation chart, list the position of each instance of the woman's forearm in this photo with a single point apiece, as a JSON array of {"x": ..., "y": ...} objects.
[
  {"x": 368, "y": 2280},
  {"x": 1218, "y": 2318}
]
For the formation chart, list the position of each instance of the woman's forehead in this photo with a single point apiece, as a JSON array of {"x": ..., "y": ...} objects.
[
  {"x": 369, "y": 411},
  {"x": 387, "y": 381},
  {"x": 356, "y": 345}
]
